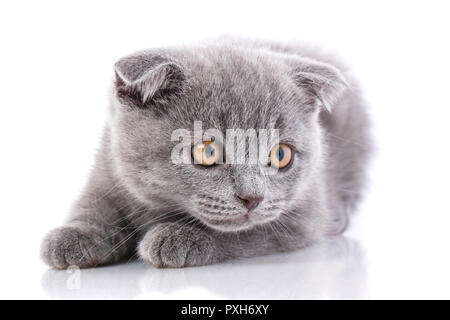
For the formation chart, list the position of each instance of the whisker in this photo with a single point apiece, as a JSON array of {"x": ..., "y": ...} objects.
[{"x": 130, "y": 236}]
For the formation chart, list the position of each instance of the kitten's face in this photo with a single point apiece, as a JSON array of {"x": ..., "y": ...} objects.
[{"x": 223, "y": 92}]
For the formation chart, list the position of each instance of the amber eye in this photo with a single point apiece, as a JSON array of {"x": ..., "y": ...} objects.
[
  {"x": 206, "y": 153},
  {"x": 280, "y": 156}
]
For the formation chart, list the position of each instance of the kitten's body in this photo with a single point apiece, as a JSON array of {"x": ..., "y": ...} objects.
[{"x": 138, "y": 200}]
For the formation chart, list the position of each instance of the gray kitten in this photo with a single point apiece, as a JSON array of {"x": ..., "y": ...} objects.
[{"x": 139, "y": 202}]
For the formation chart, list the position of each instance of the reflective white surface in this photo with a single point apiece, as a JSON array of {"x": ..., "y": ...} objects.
[{"x": 331, "y": 270}]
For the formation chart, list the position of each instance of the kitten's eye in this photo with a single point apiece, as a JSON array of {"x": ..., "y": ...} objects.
[
  {"x": 206, "y": 153},
  {"x": 280, "y": 156}
]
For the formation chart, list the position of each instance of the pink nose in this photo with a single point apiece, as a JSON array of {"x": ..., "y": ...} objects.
[{"x": 250, "y": 201}]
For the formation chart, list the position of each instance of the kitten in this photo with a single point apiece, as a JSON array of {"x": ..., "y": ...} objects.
[{"x": 140, "y": 202}]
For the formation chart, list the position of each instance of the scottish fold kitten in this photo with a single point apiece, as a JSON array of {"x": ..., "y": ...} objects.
[{"x": 140, "y": 202}]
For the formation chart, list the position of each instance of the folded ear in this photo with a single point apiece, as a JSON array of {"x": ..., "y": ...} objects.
[
  {"x": 324, "y": 81},
  {"x": 147, "y": 78}
]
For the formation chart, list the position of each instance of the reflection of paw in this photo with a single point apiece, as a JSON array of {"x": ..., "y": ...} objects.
[
  {"x": 73, "y": 245},
  {"x": 170, "y": 245}
]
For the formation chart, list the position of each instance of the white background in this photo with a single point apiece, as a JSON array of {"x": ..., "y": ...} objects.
[{"x": 56, "y": 63}]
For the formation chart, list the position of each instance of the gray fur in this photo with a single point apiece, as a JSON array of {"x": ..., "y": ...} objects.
[{"x": 137, "y": 202}]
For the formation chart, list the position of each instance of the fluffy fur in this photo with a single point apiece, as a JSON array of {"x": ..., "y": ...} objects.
[{"x": 138, "y": 202}]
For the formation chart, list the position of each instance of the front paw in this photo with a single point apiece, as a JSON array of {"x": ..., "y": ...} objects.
[
  {"x": 172, "y": 245},
  {"x": 78, "y": 245}
]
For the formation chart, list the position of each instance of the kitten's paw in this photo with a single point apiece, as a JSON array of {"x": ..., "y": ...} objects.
[
  {"x": 78, "y": 245},
  {"x": 171, "y": 245}
]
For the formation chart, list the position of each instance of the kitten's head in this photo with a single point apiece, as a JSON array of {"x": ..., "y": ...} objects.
[{"x": 157, "y": 93}]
